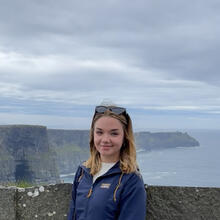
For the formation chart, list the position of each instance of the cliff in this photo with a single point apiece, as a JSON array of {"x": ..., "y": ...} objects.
[
  {"x": 38, "y": 154},
  {"x": 25, "y": 155},
  {"x": 163, "y": 203},
  {"x": 72, "y": 146},
  {"x": 162, "y": 140}
]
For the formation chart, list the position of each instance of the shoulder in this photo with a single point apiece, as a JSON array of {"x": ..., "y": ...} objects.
[
  {"x": 133, "y": 187},
  {"x": 134, "y": 179},
  {"x": 77, "y": 173},
  {"x": 80, "y": 171},
  {"x": 135, "y": 175}
]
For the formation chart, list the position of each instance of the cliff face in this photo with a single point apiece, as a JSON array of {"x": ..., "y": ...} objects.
[
  {"x": 163, "y": 140},
  {"x": 72, "y": 146},
  {"x": 35, "y": 153},
  {"x": 25, "y": 154},
  {"x": 59, "y": 137}
]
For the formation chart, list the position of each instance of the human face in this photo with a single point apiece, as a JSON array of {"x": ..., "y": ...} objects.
[{"x": 108, "y": 138}]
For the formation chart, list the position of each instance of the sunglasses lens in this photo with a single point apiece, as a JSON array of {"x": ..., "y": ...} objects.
[
  {"x": 118, "y": 110},
  {"x": 100, "y": 109}
]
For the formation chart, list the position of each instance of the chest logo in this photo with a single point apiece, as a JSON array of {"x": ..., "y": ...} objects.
[{"x": 105, "y": 185}]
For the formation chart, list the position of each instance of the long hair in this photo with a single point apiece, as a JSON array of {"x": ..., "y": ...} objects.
[{"x": 127, "y": 159}]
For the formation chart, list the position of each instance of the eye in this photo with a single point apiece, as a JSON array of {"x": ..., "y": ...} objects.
[
  {"x": 98, "y": 132},
  {"x": 114, "y": 133}
]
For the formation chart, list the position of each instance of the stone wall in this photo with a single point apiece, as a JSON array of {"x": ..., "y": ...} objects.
[{"x": 163, "y": 203}]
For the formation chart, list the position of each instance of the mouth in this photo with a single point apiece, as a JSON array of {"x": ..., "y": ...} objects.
[{"x": 105, "y": 145}]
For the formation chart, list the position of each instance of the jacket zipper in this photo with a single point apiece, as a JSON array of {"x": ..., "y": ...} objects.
[
  {"x": 88, "y": 196},
  {"x": 119, "y": 183},
  {"x": 90, "y": 192},
  {"x": 74, "y": 215}
]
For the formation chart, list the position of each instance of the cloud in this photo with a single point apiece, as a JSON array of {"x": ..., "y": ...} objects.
[
  {"x": 155, "y": 55},
  {"x": 52, "y": 121}
]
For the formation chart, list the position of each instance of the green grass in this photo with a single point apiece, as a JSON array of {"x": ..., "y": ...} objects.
[
  {"x": 68, "y": 149},
  {"x": 21, "y": 184}
]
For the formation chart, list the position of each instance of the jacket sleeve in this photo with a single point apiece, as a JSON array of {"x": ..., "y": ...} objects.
[
  {"x": 133, "y": 199},
  {"x": 73, "y": 197}
]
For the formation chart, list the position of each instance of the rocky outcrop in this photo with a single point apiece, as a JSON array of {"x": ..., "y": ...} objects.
[
  {"x": 166, "y": 203},
  {"x": 162, "y": 140},
  {"x": 25, "y": 155}
]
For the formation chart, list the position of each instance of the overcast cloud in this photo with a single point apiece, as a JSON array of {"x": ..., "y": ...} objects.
[{"x": 160, "y": 59}]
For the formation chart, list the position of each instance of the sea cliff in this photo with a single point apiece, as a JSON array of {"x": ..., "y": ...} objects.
[
  {"x": 161, "y": 140},
  {"x": 37, "y": 154},
  {"x": 72, "y": 146},
  {"x": 25, "y": 155}
]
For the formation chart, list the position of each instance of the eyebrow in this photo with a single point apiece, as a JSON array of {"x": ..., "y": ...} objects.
[{"x": 115, "y": 129}]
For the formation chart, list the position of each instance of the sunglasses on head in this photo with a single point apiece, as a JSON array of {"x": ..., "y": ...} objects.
[{"x": 114, "y": 109}]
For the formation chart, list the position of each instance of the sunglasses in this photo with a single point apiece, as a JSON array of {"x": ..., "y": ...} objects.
[{"x": 116, "y": 110}]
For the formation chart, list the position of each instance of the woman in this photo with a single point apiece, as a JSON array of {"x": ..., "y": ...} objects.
[{"x": 108, "y": 186}]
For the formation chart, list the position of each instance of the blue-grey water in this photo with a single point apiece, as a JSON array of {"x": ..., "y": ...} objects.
[{"x": 189, "y": 166}]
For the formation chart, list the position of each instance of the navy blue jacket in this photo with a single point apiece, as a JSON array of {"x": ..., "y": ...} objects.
[{"x": 113, "y": 196}]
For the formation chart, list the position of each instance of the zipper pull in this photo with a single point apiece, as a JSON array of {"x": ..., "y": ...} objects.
[{"x": 89, "y": 193}]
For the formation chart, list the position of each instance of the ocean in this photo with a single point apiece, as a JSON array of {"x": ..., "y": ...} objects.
[{"x": 183, "y": 166}]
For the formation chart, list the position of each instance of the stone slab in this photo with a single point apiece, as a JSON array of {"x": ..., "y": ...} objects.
[
  {"x": 163, "y": 203},
  {"x": 183, "y": 203},
  {"x": 45, "y": 202},
  {"x": 7, "y": 203}
]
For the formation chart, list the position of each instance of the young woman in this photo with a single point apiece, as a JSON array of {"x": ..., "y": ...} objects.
[{"x": 108, "y": 186}]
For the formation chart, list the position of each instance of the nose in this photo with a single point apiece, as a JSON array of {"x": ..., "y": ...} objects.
[{"x": 105, "y": 138}]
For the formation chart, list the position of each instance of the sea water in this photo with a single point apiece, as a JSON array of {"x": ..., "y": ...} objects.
[{"x": 184, "y": 166}]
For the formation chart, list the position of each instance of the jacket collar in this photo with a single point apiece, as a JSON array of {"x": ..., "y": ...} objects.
[{"x": 113, "y": 170}]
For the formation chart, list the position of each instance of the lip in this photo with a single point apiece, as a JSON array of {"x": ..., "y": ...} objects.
[{"x": 105, "y": 146}]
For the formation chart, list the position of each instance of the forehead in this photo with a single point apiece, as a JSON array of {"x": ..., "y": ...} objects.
[{"x": 107, "y": 122}]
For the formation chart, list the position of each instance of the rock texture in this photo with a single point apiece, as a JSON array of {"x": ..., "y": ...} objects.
[
  {"x": 44, "y": 202},
  {"x": 25, "y": 155},
  {"x": 163, "y": 203},
  {"x": 183, "y": 203},
  {"x": 8, "y": 203}
]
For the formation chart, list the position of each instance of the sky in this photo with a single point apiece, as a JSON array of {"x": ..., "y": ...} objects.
[{"x": 158, "y": 59}]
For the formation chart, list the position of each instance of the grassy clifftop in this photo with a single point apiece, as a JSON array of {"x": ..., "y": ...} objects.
[{"x": 162, "y": 140}]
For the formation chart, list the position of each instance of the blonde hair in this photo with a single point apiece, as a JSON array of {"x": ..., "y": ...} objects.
[{"x": 128, "y": 162}]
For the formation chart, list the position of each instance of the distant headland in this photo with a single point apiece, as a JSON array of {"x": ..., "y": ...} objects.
[{"x": 39, "y": 155}]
